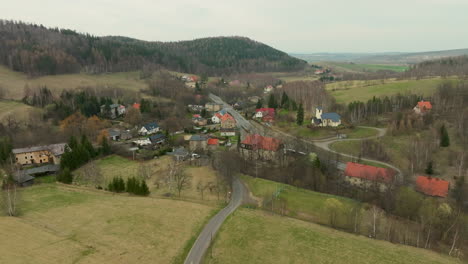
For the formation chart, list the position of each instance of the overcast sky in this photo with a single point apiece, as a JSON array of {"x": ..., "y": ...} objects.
[{"x": 290, "y": 25}]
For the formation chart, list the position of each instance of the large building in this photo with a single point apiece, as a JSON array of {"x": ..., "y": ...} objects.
[
  {"x": 40, "y": 154},
  {"x": 432, "y": 186},
  {"x": 369, "y": 177},
  {"x": 326, "y": 119},
  {"x": 255, "y": 146},
  {"x": 228, "y": 125}
]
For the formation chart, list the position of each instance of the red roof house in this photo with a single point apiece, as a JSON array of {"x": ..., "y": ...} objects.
[
  {"x": 256, "y": 141},
  {"x": 370, "y": 173},
  {"x": 213, "y": 141},
  {"x": 422, "y": 107},
  {"x": 432, "y": 186},
  {"x": 136, "y": 106},
  {"x": 196, "y": 116}
]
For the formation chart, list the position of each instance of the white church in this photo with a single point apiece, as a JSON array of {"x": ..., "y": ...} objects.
[{"x": 326, "y": 119}]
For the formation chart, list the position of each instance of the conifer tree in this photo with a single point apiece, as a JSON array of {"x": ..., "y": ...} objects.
[
  {"x": 444, "y": 137},
  {"x": 300, "y": 115},
  {"x": 65, "y": 176},
  {"x": 429, "y": 170},
  {"x": 259, "y": 104},
  {"x": 272, "y": 102},
  {"x": 105, "y": 147},
  {"x": 284, "y": 100}
]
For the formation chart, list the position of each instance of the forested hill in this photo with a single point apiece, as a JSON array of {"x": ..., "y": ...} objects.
[
  {"x": 37, "y": 50},
  {"x": 453, "y": 66}
]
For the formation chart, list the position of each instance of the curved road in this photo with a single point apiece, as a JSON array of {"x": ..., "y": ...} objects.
[{"x": 195, "y": 256}]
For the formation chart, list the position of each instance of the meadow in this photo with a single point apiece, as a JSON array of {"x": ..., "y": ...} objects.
[
  {"x": 69, "y": 224},
  {"x": 367, "y": 67},
  {"x": 252, "y": 236},
  {"x": 17, "y": 110}
]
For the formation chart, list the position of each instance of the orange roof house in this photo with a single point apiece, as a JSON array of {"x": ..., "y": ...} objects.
[
  {"x": 370, "y": 173},
  {"x": 256, "y": 141},
  {"x": 136, "y": 106},
  {"x": 422, "y": 107},
  {"x": 213, "y": 141},
  {"x": 432, "y": 186}
]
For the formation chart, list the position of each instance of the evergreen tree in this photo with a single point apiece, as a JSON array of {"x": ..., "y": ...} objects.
[
  {"x": 105, "y": 147},
  {"x": 65, "y": 176},
  {"x": 203, "y": 113},
  {"x": 429, "y": 170},
  {"x": 86, "y": 144},
  {"x": 5, "y": 149},
  {"x": 73, "y": 143},
  {"x": 293, "y": 105},
  {"x": 144, "y": 190},
  {"x": 197, "y": 88},
  {"x": 458, "y": 192},
  {"x": 300, "y": 115},
  {"x": 132, "y": 186},
  {"x": 284, "y": 100},
  {"x": 444, "y": 137},
  {"x": 259, "y": 104},
  {"x": 272, "y": 102}
]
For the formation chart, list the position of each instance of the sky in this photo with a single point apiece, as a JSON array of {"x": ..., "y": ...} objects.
[{"x": 294, "y": 26}]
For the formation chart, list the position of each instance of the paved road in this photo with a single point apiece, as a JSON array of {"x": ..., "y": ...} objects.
[
  {"x": 242, "y": 123},
  {"x": 195, "y": 256}
]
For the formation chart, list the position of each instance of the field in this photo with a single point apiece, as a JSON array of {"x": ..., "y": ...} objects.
[
  {"x": 117, "y": 166},
  {"x": 366, "y": 67},
  {"x": 349, "y": 91},
  {"x": 250, "y": 236},
  {"x": 15, "y": 109},
  {"x": 14, "y": 82},
  {"x": 67, "y": 224},
  {"x": 301, "y": 203}
]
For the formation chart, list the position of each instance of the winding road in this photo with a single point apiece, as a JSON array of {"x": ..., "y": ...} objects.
[{"x": 195, "y": 256}]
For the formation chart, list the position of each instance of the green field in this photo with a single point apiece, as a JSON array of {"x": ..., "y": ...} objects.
[
  {"x": 14, "y": 82},
  {"x": 68, "y": 224},
  {"x": 19, "y": 111},
  {"x": 251, "y": 236},
  {"x": 349, "y": 91},
  {"x": 367, "y": 67},
  {"x": 320, "y": 133},
  {"x": 301, "y": 203}
]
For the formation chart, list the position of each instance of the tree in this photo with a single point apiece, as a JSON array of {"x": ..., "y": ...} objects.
[
  {"x": 300, "y": 115},
  {"x": 334, "y": 208},
  {"x": 105, "y": 147},
  {"x": 116, "y": 185},
  {"x": 10, "y": 194},
  {"x": 5, "y": 149},
  {"x": 272, "y": 102},
  {"x": 444, "y": 137},
  {"x": 143, "y": 190},
  {"x": 133, "y": 116},
  {"x": 201, "y": 188},
  {"x": 259, "y": 104},
  {"x": 284, "y": 101},
  {"x": 429, "y": 170},
  {"x": 182, "y": 180},
  {"x": 65, "y": 176},
  {"x": 407, "y": 203}
]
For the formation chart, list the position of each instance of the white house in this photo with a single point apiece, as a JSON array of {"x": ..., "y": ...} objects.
[
  {"x": 268, "y": 89},
  {"x": 149, "y": 129},
  {"x": 142, "y": 142},
  {"x": 216, "y": 119},
  {"x": 326, "y": 119}
]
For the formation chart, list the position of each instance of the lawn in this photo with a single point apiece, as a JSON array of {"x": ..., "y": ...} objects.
[
  {"x": 68, "y": 224},
  {"x": 17, "y": 110},
  {"x": 369, "y": 67},
  {"x": 349, "y": 91},
  {"x": 301, "y": 203},
  {"x": 320, "y": 133},
  {"x": 359, "y": 132},
  {"x": 252, "y": 236},
  {"x": 14, "y": 82}
]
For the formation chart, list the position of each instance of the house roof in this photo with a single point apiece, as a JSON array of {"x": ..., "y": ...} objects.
[
  {"x": 332, "y": 116},
  {"x": 157, "y": 137},
  {"x": 370, "y": 173},
  {"x": 181, "y": 151},
  {"x": 432, "y": 186},
  {"x": 56, "y": 149},
  {"x": 269, "y": 111},
  {"x": 227, "y": 117},
  {"x": 113, "y": 132},
  {"x": 136, "y": 106},
  {"x": 196, "y": 116},
  {"x": 151, "y": 126},
  {"x": 198, "y": 138},
  {"x": 425, "y": 105},
  {"x": 261, "y": 142},
  {"x": 213, "y": 141}
]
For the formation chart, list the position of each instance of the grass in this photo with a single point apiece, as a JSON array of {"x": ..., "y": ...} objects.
[
  {"x": 66, "y": 224},
  {"x": 368, "y": 67},
  {"x": 320, "y": 133},
  {"x": 301, "y": 203},
  {"x": 359, "y": 132},
  {"x": 349, "y": 91},
  {"x": 17, "y": 110},
  {"x": 14, "y": 82},
  {"x": 250, "y": 236}
]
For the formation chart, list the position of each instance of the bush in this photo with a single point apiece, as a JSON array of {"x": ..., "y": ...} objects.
[
  {"x": 65, "y": 176},
  {"x": 117, "y": 185}
]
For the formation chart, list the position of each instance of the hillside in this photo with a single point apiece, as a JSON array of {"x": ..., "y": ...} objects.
[
  {"x": 37, "y": 50},
  {"x": 251, "y": 236}
]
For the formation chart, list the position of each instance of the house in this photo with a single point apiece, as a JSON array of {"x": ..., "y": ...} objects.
[
  {"x": 268, "y": 89},
  {"x": 148, "y": 129},
  {"x": 265, "y": 114},
  {"x": 157, "y": 139},
  {"x": 255, "y": 146},
  {"x": 318, "y": 72},
  {"x": 213, "y": 107},
  {"x": 199, "y": 121},
  {"x": 114, "y": 134},
  {"x": 326, "y": 119},
  {"x": 114, "y": 111},
  {"x": 216, "y": 119},
  {"x": 40, "y": 154},
  {"x": 422, "y": 107},
  {"x": 195, "y": 108},
  {"x": 198, "y": 142},
  {"x": 179, "y": 154},
  {"x": 432, "y": 186},
  {"x": 367, "y": 176},
  {"x": 228, "y": 125},
  {"x": 213, "y": 143},
  {"x": 136, "y": 106},
  {"x": 142, "y": 142}
]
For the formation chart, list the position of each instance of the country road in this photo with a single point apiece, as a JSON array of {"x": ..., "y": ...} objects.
[{"x": 195, "y": 256}]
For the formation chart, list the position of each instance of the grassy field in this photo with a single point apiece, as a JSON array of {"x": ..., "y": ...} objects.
[
  {"x": 14, "y": 82},
  {"x": 15, "y": 109},
  {"x": 67, "y": 224},
  {"x": 349, "y": 91},
  {"x": 117, "y": 166},
  {"x": 301, "y": 203},
  {"x": 320, "y": 133},
  {"x": 250, "y": 236},
  {"x": 367, "y": 67}
]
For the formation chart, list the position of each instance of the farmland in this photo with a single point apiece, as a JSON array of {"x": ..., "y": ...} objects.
[
  {"x": 15, "y": 109},
  {"x": 61, "y": 224},
  {"x": 251, "y": 236},
  {"x": 366, "y": 67}
]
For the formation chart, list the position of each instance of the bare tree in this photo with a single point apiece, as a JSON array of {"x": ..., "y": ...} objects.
[
  {"x": 182, "y": 180},
  {"x": 145, "y": 171},
  {"x": 201, "y": 187},
  {"x": 91, "y": 173}
]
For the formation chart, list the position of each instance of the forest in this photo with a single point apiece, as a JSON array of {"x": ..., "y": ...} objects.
[{"x": 37, "y": 50}]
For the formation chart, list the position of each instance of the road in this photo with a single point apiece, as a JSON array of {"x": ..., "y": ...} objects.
[
  {"x": 243, "y": 124},
  {"x": 195, "y": 256}
]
